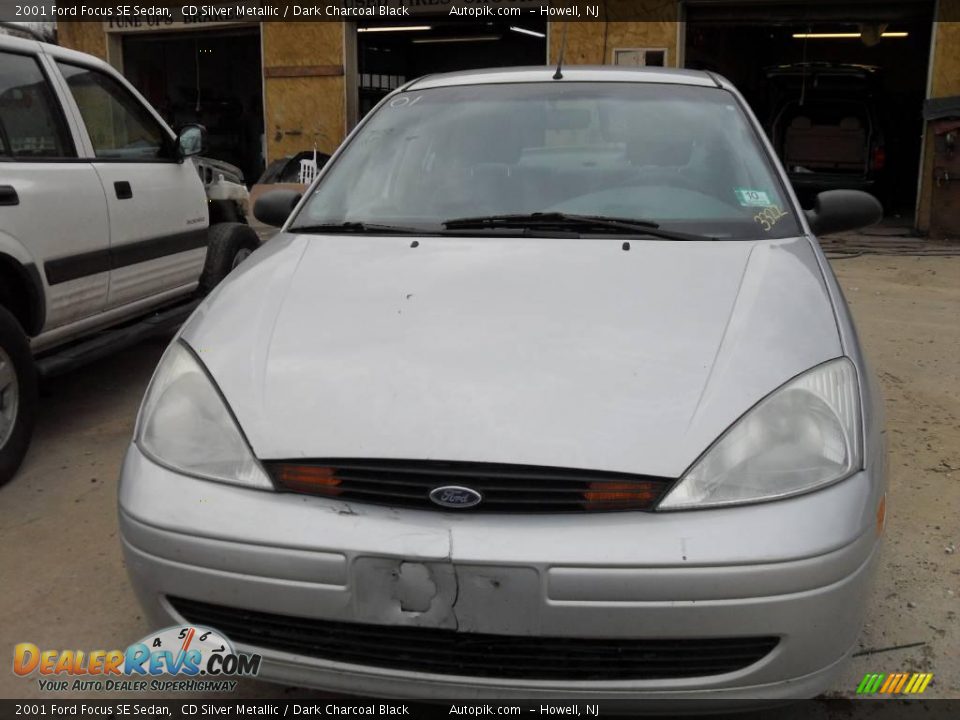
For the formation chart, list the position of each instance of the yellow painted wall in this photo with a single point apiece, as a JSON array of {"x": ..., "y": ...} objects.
[
  {"x": 944, "y": 82},
  {"x": 303, "y": 111}
]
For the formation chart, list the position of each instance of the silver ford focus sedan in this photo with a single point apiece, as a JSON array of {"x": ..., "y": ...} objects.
[{"x": 544, "y": 389}]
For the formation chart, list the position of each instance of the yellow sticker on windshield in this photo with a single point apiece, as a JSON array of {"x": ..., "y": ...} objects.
[{"x": 769, "y": 216}]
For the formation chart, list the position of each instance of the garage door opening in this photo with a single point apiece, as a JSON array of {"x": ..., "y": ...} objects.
[
  {"x": 841, "y": 101},
  {"x": 390, "y": 55},
  {"x": 209, "y": 77}
]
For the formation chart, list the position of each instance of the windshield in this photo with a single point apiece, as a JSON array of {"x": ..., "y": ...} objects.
[{"x": 683, "y": 157}]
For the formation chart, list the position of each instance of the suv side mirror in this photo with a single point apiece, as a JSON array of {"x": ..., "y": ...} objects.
[
  {"x": 838, "y": 210},
  {"x": 192, "y": 140},
  {"x": 274, "y": 207}
]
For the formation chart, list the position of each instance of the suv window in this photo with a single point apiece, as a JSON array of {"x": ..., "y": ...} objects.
[
  {"x": 31, "y": 125},
  {"x": 120, "y": 127},
  {"x": 824, "y": 136}
]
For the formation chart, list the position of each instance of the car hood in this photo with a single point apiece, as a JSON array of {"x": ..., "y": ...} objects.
[{"x": 563, "y": 352}]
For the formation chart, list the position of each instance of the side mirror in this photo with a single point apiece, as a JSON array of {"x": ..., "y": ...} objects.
[
  {"x": 274, "y": 207},
  {"x": 838, "y": 210},
  {"x": 192, "y": 140}
]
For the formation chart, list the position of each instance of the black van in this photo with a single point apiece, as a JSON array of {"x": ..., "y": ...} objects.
[{"x": 827, "y": 127}]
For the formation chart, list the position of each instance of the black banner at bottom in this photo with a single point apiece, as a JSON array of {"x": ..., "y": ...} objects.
[{"x": 835, "y": 709}]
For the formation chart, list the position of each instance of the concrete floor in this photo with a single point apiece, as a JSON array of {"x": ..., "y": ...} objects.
[{"x": 62, "y": 582}]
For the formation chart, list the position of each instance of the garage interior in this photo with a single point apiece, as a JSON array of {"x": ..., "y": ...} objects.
[
  {"x": 211, "y": 77},
  {"x": 892, "y": 38},
  {"x": 389, "y": 55}
]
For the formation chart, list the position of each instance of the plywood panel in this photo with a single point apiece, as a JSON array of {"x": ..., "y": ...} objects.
[
  {"x": 87, "y": 37},
  {"x": 946, "y": 61},
  {"x": 303, "y": 111},
  {"x": 944, "y": 82},
  {"x": 302, "y": 43},
  {"x": 592, "y": 43}
]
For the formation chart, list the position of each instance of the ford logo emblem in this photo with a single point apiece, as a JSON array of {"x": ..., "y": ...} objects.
[{"x": 454, "y": 496}]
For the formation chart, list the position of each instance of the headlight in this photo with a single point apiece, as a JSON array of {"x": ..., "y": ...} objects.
[
  {"x": 802, "y": 436},
  {"x": 185, "y": 424}
]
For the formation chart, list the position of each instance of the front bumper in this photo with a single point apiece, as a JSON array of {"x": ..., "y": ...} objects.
[{"x": 798, "y": 569}]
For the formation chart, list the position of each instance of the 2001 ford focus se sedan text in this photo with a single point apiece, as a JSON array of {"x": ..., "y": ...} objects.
[{"x": 545, "y": 389}]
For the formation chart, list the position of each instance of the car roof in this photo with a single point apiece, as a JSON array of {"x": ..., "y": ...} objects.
[{"x": 571, "y": 73}]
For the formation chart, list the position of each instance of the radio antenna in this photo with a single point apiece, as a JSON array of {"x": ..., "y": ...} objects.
[{"x": 558, "y": 75}]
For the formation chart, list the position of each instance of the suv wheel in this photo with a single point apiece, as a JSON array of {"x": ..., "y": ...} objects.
[
  {"x": 18, "y": 395},
  {"x": 229, "y": 245}
]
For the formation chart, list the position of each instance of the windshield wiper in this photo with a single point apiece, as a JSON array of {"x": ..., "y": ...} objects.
[
  {"x": 567, "y": 221},
  {"x": 357, "y": 227}
]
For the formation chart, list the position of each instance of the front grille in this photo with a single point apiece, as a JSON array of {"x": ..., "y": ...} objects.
[
  {"x": 447, "y": 652},
  {"x": 502, "y": 488}
]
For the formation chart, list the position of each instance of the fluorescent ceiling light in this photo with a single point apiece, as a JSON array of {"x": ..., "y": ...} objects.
[
  {"x": 395, "y": 28},
  {"x": 475, "y": 38},
  {"x": 830, "y": 36},
  {"x": 524, "y": 31}
]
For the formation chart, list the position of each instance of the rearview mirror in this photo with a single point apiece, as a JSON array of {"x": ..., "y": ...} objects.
[
  {"x": 192, "y": 140},
  {"x": 839, "y": 210},
  {"x": 274, "y": 207}
]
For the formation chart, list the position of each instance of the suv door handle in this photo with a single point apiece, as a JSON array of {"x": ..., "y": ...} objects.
[
  {"x": 123, "y": 190},
  {"x": 8, "y": 195}
]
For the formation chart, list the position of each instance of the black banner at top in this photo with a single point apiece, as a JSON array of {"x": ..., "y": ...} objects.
[{"x": 132, "y": 14}]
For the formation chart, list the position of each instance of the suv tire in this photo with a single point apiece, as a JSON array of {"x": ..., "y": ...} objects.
[
  {"x": 229, "y": 244},
  {"x": 18, "y": 395}
]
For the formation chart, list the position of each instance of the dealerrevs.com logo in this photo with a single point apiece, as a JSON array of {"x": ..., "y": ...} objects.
[{"x": 185, "y": 658}]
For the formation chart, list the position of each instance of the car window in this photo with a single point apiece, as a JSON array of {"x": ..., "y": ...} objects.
[
  {"x": 683, "y": 156},
  {"x": 31, "y": 125},
  {"x": 120, "y": 127}
]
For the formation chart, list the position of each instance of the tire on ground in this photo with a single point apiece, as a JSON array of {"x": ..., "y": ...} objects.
[
  {"x": 18, "y": 377},
  {"x": 228, "y": 244}
]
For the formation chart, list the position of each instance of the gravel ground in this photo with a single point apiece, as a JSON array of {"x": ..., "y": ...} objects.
[
  {"x": 907, "y": 312},
  {"x": 63, "y": 583}
]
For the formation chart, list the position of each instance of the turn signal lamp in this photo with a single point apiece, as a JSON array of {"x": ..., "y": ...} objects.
[
  {"x": 603, "y": 495},
  {"x": 314, "y": 479}
]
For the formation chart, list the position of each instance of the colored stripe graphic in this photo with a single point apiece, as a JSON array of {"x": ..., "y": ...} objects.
[
  {"x": 922, "y": 680},
  {"x": 890, "y": 683},
  {"x": 870, "y": 683},
  {"x": 894, "y": 683}
]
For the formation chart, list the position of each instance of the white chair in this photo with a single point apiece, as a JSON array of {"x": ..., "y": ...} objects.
[{"x": 308, "y": 169}]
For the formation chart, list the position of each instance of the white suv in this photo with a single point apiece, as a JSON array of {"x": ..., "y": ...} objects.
[{"x": 104, "y": 224}]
